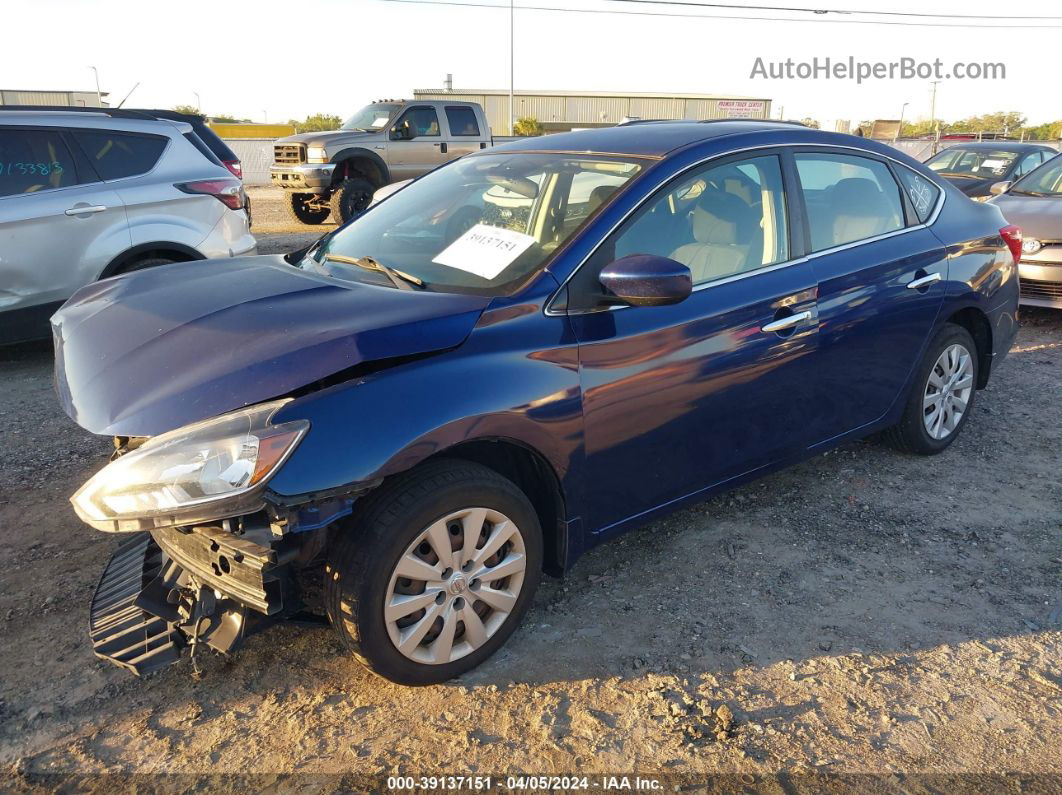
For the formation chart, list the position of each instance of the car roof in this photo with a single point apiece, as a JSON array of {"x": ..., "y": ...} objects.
[
  {"x": 647, "y": 138},
  {"x": 130, "y": 121},
  {"x": 1013, "y": 146}
]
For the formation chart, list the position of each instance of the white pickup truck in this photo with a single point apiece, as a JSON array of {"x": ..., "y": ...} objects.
[{"x": 336, "y": 172}]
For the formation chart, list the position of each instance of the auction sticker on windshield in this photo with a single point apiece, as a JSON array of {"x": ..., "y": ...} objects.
[{"x": 484, "y": 250}]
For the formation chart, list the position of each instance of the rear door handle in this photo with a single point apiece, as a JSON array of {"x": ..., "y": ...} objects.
[
  {"x": 86, "y": 209},
  {"x": 787, "y": 322},
  {"x": 924, "y": 281}
]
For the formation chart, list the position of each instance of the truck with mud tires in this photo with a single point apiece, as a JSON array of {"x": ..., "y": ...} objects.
[{"x": 335, "y": 173}]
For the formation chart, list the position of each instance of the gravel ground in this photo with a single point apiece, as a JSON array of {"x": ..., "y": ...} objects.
[{"x": 863, "y": 612}]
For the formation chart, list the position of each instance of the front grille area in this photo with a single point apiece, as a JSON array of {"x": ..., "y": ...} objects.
[
  {"x": 1047, "y": 291},
  {"x": 289, "y": 153}
]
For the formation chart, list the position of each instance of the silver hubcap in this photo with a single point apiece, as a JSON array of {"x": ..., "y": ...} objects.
[
  {"x": 455, "y": 585},
  {"x": 947, "y": 391}
]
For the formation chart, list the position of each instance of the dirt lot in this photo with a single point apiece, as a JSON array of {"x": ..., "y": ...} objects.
[{"x": 865, "y": 612}]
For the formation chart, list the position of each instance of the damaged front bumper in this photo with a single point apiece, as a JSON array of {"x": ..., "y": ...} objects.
[{"x": 173, "y": 589}]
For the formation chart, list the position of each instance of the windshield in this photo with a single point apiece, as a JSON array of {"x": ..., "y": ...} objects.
[
  {"x": 1044, "y": 181},
  {"x": 483, "y": 224},
  {"x": 979, "y": 163},
  {"x": 371, "y": 117}
]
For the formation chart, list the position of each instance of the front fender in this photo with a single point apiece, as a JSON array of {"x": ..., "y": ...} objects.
[
  {"x": 515, "y": 378},
  {"x": 361, "y": 153}
]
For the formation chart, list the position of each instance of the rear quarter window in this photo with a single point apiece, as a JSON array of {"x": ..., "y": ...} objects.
[
  {"x": 921, "y": 191},
  {"x": 32, "y": 161},
  {"x": 115, "y": 155}
]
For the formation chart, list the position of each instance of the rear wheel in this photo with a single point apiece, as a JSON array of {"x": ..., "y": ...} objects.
[
  {"x": 350, "y": 197},
  {"x": 438, "y": 572},
  {"x": 942, "y": 395},
  {"x": 301, "y": 209}
]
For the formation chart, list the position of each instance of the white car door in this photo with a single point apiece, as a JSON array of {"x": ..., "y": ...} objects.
[{"x": 58, "y": 228}]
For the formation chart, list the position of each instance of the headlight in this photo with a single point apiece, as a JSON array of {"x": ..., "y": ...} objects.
[
  {"x": 210, "y": 470},
  {"x": 316, "y": 154},
  {"x": 1031, "y": 245}
]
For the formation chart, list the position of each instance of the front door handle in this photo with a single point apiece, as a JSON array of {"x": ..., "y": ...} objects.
[
  {"x": 442, "y": 147},
  {"x": 787, "y": 322},
  {"x": 924, "y": 281},
  {"x": 86, "y": 209}
]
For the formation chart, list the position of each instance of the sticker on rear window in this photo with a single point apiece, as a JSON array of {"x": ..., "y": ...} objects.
[{"x": 484, "y": 250}]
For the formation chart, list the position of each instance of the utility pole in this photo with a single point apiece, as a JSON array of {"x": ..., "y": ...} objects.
[
  {"x": 99, "y": 97},
  {"x": 198, "y": 104},
  {"x": 512, "y": 59},
  {"x": 933, "y": 116},
  {"x": 899, "y": 128}
]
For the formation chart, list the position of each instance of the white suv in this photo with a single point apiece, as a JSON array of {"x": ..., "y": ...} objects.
[{"x": 85, "y": 196}]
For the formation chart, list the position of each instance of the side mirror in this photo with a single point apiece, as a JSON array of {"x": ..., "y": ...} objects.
[
  {"x": 402, "y": 132},
  {"x": 647, "y": 280},
  {"x": 1000, "y": 187}
]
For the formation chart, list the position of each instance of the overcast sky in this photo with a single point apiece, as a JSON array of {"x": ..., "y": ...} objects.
[{"x": 279, "y": 59}]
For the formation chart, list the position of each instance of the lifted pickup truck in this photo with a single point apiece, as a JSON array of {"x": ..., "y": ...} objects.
[{"x": 336, "y": 172}]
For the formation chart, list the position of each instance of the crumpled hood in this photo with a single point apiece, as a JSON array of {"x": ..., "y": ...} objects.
[
  {"x": 1039, "y": 217},
  {"x": 141, "y": 354}
]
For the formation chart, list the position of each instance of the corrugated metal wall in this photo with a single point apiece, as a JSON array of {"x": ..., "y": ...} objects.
[
  {"x": 36, "y": 97},
  {"x": 575, "y": 110},
  {"x": 83, "y": 99}
]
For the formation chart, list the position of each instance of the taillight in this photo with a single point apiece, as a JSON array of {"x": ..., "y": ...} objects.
[
  {"x": 227, "y": 191},
  {"x": 1012, "y": 236},
  {"x": 235, "y": 167}
]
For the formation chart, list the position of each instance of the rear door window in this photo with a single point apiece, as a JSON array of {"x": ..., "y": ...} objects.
[
  {"x": 462, "y": 120},
  {"x": 115, "y": 155},
  {"x": 847, "y": 198},
  {"x": 32, "y": 161}
]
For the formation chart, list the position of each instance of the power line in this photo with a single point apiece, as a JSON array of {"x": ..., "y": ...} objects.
[
  {"x": 819, "y": 19},
  {"x": 824, "y": 11}
]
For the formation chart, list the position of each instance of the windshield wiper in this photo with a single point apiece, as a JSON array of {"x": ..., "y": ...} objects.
[
  {"x": 1035, "y": 193},
  {"x": 400, "y": 279}
]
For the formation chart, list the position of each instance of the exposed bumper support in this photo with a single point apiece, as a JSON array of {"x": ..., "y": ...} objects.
[{"x": 148, "y": 607}]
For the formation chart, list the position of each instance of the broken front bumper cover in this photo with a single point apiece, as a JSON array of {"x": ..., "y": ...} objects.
[{"x": 169, "y": 590}]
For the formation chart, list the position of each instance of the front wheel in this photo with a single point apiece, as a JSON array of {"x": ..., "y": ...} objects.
[
  {"x": 436, "y": 573},
  {"x": 942, "y": 395},
  {"x": 349, "y": 198},
  {"x": 301, "y": 207}
]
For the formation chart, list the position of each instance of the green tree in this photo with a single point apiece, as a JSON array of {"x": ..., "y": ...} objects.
[
  {"x": 189, "y": 109},
  {"x": 527, "y": 125},
  {"x": 1052, "y": 131},
  {"x": 1000, "y": 121},
  {"x": 318, "y": 122}
]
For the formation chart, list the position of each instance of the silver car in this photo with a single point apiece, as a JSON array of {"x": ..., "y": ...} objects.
[
  {"x": 1034, "y": 203},
  {"x": 85, "y": 196}
]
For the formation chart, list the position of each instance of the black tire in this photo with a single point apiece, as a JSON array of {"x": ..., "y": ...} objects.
[
  {"x": 910, "y": 435},
  {"x": 363, "y": 558},
  {"x": 350, "y": 197},
  {"x": 141, "y": 264},
  {"x": 303, "y": 213}
]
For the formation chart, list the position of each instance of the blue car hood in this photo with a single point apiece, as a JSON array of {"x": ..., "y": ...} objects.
[{"x": 141, "y": 354}]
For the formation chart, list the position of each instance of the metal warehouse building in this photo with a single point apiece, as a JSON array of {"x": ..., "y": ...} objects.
[
  {"x": 75, "y": 99},
  {"x": 557, "y": 111}
]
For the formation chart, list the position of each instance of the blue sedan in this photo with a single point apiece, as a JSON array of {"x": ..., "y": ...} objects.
[{"x": 512, "y": 359}]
